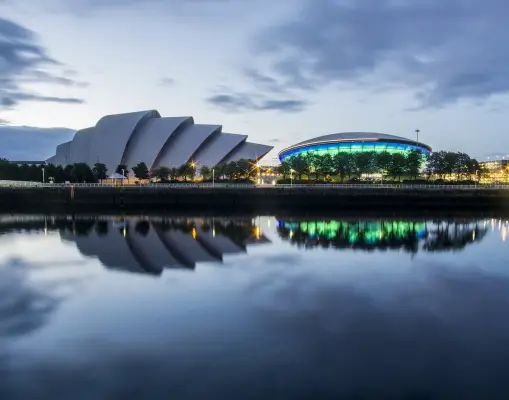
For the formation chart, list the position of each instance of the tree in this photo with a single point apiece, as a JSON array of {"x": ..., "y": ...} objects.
[
  {"x": 383, "y": 161},
  {"x": 174, "y": 173},
  {"x": 161, "y": 173},
  {"x": 397, "y": 165},
  {"x": 244, "y": 168},
  {"x": 100, "y": 171},
  {"x": 81, "y": 172},
  {"x": 299, "y": 164},
  {"x": 205, "y": 172},
  {"x": 365, "y": 162},
  {"x": 141, "y": 171},
  {"x": 344, "y": 164},
  {"x": 122, "y": 170},
  {"x": 190, "y": 171},
  {"x": 324, "y": 165},
  {"x": 414, "y": 163},
  {"x": 231, "y": 170}
]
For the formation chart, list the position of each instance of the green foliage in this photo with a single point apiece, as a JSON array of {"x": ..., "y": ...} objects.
[
  {"x": 81, "y": 172},
  {"x": 100, "y": 171},
  {"x": 348, "y": 165},
  {"x": 141, "y": 171},
  {"x": 446, "y": 163},
  {"x": 205, "y": 172},
  {"x": 161, "y": 173},
  {"x": 122, "y": 170}
]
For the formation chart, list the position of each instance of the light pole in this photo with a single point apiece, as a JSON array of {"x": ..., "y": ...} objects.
[
  {"x": 42, "y": 174},
  {"x": 417, "y": 132},
  {"x": 213, "y": 177},
  {"x": 291, "y": 176},
  {"x": 123, "y": 175}
]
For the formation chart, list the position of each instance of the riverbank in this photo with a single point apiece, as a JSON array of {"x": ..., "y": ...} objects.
[{"x": 260, "y": 199}]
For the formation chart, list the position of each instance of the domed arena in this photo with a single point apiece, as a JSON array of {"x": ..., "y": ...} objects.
[{"x": 355, "y": 142}]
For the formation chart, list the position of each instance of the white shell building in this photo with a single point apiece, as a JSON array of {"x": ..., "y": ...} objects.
[{"x": 145, "y": 136}]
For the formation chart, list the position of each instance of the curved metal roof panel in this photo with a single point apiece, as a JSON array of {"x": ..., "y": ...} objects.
[
  {"x": 349, "y": 136},
  {"x": 111, "y": 249},
  {"x": 212, "y": 152},
  {"x": 146, "y": 145},
  {"x": 80, "y": 146},
  {"x": 153, "y": 249},
  {"x": 181, "y": 148},
  {"x": 192, "y": 249},
  {"x": 63, "y": 154},
  {"x": 248, "y": 151},
  {"x": 112, "y": 134}
]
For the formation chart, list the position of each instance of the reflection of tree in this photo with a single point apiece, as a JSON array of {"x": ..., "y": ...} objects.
[
  {"x": 453, "y": 236},
  {"x": 239, "y": 231},
  {"x": 101, "y": 228},
  {"x": 377, "y": 235},
  {"x": 142, "y": 228}
]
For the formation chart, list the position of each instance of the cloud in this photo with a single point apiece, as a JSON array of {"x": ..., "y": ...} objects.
[
  {"x": 241, "y": 102},
  {"x": 444, "y": 51},
  {"x": 166, "y": 82},
  {"x": 22, "y": 61},
  {"x": 31, "y": 143},
  {"x": 274, "y": 141}
]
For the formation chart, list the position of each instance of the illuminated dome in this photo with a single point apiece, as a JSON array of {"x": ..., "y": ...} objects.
[{"x": 355, "y": 142}]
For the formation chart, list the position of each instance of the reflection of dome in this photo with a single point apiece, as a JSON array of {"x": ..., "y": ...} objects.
[
  {"x": 354, "y": 142},
  {"x": 381, "y": 234},
  {"x": 161, "y": 245}
]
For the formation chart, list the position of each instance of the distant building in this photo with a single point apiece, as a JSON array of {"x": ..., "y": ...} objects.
[
  {"x": 29, "y": 163},
  {"x": 147, "y": 137}
]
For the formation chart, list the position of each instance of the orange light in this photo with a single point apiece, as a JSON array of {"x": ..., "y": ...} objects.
[{"x": 193, "y": 233}]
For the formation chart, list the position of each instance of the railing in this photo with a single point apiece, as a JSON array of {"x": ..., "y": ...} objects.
[{"x": 155, "y": 187}]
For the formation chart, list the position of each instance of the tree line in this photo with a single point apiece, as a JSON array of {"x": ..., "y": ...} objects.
[
  {"x": 82, "y": 172},
  {"x": 412, "y": 164}
]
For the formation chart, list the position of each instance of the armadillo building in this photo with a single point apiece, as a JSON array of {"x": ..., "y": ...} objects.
[{"x": 147, "y": 137}]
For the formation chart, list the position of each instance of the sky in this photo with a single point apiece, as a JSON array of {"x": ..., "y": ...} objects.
[{"x": 279, "y": 71}]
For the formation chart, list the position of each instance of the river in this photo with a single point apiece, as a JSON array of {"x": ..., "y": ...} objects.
[{"x": 243, "y": 307}]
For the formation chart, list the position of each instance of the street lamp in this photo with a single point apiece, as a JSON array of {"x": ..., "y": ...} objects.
[
  {"x": 417, "y": 132},
  {"x": 213, "y": 177},
  {"x": 42, "y": 174},
  {"x": 291, "y": 176}
]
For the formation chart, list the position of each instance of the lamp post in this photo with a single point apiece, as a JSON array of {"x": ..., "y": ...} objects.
[
  {"x": 42, "y": 174},
  {"x": 213, "y": 177},
  {"x": 123, "y": 175},
  {"x": 417, "y": 132},
  {"x": 291, "y": 176}
]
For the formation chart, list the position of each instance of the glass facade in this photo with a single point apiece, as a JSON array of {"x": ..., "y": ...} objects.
[{"x": 354, "y": 147}]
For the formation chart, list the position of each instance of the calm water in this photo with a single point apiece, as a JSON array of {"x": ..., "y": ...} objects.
[{"x": 253, "y": 308}]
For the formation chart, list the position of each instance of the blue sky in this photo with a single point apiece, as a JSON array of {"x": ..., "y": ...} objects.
[{"x": 279, "y": 71}]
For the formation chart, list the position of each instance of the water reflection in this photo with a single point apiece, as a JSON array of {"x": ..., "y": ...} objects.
[
  {"x": 410, "y": 236},
  {"x": 146, "y": 245},
  {"x": 283, "y": 323}
]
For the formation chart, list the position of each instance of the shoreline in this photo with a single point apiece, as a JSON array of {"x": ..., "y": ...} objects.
[{"x": 259, "y": 200}]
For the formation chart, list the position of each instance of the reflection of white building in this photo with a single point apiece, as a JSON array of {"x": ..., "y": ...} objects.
[
  {"x": 122, "y": 246},
  {"x": 146, "y": 137}
]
